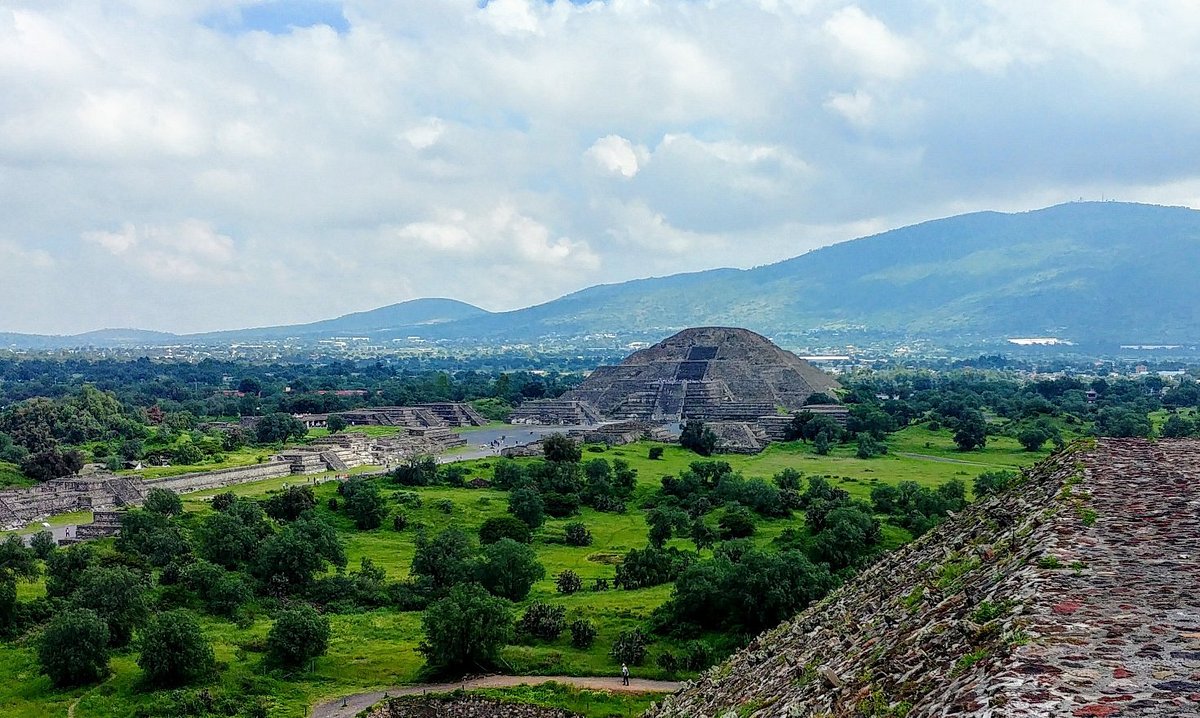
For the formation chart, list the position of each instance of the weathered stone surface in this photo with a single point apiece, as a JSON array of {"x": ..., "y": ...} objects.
[
  {"x": 461, "y": 707},
  {"x": 1075, "y": 594}
]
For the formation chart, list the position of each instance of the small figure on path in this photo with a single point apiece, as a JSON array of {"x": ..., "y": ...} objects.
[{"x": 624, "y": 674}]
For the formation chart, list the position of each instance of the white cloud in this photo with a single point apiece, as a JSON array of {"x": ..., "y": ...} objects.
[
  {"x": 615, "y": 155},
  {"x": 512, "y": 152}
]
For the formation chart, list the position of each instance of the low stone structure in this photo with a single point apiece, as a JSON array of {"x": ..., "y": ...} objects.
[
  {"x": 555, "y": 412},
  {"x": 456, "y": 413},
  {"x": 461, "y": 707},
  {"x": 1073, "y": 594}
]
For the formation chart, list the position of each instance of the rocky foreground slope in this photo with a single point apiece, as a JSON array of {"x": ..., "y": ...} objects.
[{"x": 1075, "y": 594}]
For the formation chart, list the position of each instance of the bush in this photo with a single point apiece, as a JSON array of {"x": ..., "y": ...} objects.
[
  {"x": 650, "y": 567},
  {"x": 174, "y": 651},
  {"x": 73, "y": 650},
  {"x": 499, "y": 527},
  {"x": 365, "y": 505},
  {"x": 290, "y": 503},
  {"x": 115, "y": 594},
  {"x": 560, "y": 448},
  {"x": 735, "y": 522},
  {"x": 543, "y": 621},
  {"x": 583, "y": 633},
  {"x": 656, "y": 453},
  {"x": 164, "y": 502},
  {"x": 699, "y": 438},
  {"x": 577, "y": 534},
  {"x": 630, "y": 648},
  {"x": 466, "y": 630},
  {"x": 399, "y": 522},
  {"x": 445, "y": 506},
  {"x": 568, "y": 582},
  {"x": 297, "y": 636},
  {"x": 333, "y": 503}
]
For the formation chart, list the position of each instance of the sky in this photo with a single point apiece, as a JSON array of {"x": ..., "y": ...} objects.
[{"x": 197, "y": 165}]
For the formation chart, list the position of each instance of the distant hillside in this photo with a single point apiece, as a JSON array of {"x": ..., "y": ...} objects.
[
  {"x": 401, "y": 318},
  {"x": 1085, "y": 271},
  {"x": 1091, "y": 272}
]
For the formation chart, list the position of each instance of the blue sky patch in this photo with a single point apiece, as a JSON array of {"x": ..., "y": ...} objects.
[{"x": 279, "y": 17}]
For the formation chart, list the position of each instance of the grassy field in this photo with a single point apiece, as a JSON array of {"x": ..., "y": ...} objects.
[{"x": 377, "y": 649}]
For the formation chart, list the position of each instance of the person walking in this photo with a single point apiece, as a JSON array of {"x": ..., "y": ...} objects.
[{"x": 624, "y": 674}]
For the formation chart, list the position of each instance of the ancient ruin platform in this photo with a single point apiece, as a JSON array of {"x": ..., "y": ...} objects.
[{"x": 1074, "y": 594}]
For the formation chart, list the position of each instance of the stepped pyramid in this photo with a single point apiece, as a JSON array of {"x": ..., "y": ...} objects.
[
  {"x": 1075, "y": 594},
  {"x": 707, "y": 373}
]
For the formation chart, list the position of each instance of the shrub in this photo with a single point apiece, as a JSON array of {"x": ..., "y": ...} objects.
[
  {"x": 568, "y": 582},
  {"x": 543, "y": 621},
  {"x": 399, "y": 522},
  {"x": 630, "y": 647},
  {"x": 509, "y": 569},
  {"x": 560, "y": 448},
  {"x": 577, "y": 534},
  {"x": 73, "y": 650},
  {"x": 164, "y": 502},
  {"x": 735, "y": 522},
  {"x": 298, "y": 635},
  {"x": 583, "y": 633},
  {"x": 499, "y": 527},
  {"x": 527, "y": 505},
  {"x": 365, "y": 505},
  {"x": 333, "y": 503},
  {"x": 656, "y": 453},
  {"x": 43, "y": 544},
  {"x": 174, "y": 651},
  {"x": 650, "y": 567},
  {"x": 445, "y": 506},
  {"x": 290, "y": 503},
  {"x": 698, "y": 438}
]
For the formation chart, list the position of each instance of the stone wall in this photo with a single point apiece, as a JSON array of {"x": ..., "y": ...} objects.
[
  {"x": 220, "y": 478},
  {"x": 461, "y": 707}
]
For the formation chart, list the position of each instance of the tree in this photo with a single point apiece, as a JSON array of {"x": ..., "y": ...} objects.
[
  {"x": 499, "y": 527},
  {"x": 288, "y": 561},
  {"x": 735, "y": 522},
  {"x": 849, "y": 536},
  {"x": 336, "y": 423},
  {"x": 234, "y": 536},
  {"x": 577, "y": 534},
  {"x": 466, "y": 630},
  {"x": 298, "y": 635},
  {"x": 444, "y": 561},
  {"x": 174, "y": 651},
  {"x": 152, "y": 536},
  {"x": 698, "y": 438},
  {"x": 364, "y": 504},
  {"x": 568, "y": 582},
  {"x": 163, "y": 502},
  {"x": 1177, "y": 426},
  {"x": 1032, "y": 438},
  {"x": 630, "y": 647},
  {"x": 509, "y": 569},
  {"x": 73, "y": 650},
  {"x": 972, "y": 431},
  {"x": 527, "y": 505},
  {"x": 43, "y": 544},
  {"x": 418, "y": 470},
  {"x": 277, "y": 428},
  {"x": 788, "y": 480},
  {"x": 51, "y": 463},
  {"x": 560, "y": 448},
  {"x": 990, "y": 483},
  {"x": 116, "y": 595},
  {"x": 703, "y": 535},
  {"x": 290, "y": 504},
  {"x": 583, "y": 633},
  {"x": 65, "y": 570}
]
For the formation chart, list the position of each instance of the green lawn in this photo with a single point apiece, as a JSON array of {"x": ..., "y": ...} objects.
[{"x": 377, "y": 649}]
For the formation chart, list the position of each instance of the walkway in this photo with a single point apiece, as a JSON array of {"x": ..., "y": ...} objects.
[{"x": 354, "y": 704}]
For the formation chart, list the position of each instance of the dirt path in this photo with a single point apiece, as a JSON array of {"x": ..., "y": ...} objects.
[
  {"x": 942, "y": 459},
  {"x": 361, "y": 701}
]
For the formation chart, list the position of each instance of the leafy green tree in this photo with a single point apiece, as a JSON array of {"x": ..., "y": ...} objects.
[
  {"x": 972, "y": 431},
  {"x": 630, "y": 647},
  {"x": 509, "y": 569},
  {"x": 869, "y": 447},
  {"x": 788, "y": 480},
  {"x": 336, "y": 423},
  {"x": 560, "y": 448},
  {"x": 418, "y": 470},
  {"x": 164, "y": 502},
  {"x": 288, "y": 561},
  {"x": 466, "y": 630},
  {"x": 446, "y": 560},
  {"x": 364, "y": 504},
  {"x": 735, "y": 522},
  {"x": 703, "y": 535},
  {"x": 43, "y": 544},
  {"x": 990, "y": 483},
  {"x": 1033, "y": 438},
  {"x": 277, "y": 428},
  {"x": 65, "y": 569},
  {"x": 152, "y": 536},
  {"x": 507, "y": 474},
  {"x": 643, "y": 568},
  {"x": 289, "y": 504},
  {"x": 528, "y": 506},
  {"x": 233, "y": 537},
  {"x": 298, "y": 635},
  {"x": 1177, "y": 426},
  {"x": 51, "y": 463},
  {"x": 116, "y": 594},
  {"x": 698, "y": 438},
  {"x": 499, "y": 527},
  {"x": 73, "y": 650},
  {"x": 849, "y": 536},
  {"x": 174, "y": 650}
]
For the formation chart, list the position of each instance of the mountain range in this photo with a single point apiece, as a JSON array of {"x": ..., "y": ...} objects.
[{"x": 1085, "y": 272}]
